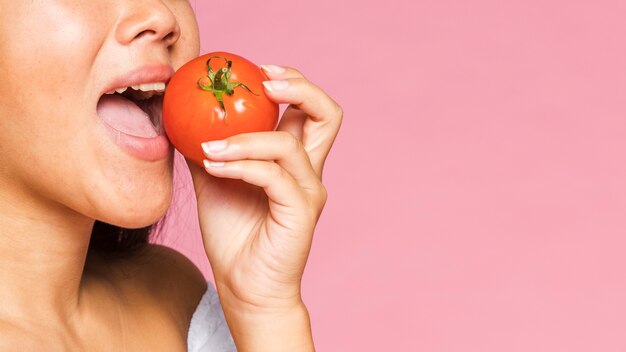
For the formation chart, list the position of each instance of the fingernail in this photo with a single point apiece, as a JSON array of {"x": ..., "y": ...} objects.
[
  {"x": 273, "y": 86},
  {"x": 273, "y": 68},
  {"x": 211, "y": 164},
  {"x": 214, "y": 146}
]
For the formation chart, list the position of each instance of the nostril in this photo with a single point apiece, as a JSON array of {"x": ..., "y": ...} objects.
[
  {"x": 153, "y": 21},
  {"x": 168, "y": 38},
  {"x": 143, "y": 33}
]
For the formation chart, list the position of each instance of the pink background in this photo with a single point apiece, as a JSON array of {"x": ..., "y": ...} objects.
[{"x": 478, "y": 185}]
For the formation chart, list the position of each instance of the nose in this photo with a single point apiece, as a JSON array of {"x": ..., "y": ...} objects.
[{"x": 149, "y": 20}]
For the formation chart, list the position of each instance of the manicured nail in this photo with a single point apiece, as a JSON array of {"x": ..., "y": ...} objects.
[
  {"x": 273, "y": 86},
  {"x": 213, "y": 147},
  {"x": 212, "y": 164},
  {"x": 273, "y": 68}
]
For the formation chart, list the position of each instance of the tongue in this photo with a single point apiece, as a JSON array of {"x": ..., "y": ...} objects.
[{"x": 125, "y": 116}]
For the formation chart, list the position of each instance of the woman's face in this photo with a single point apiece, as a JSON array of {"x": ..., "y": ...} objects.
[{"x": 64, "y": 141}]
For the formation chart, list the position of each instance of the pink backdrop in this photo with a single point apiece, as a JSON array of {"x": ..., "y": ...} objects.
[{"x": 478, "y": 186}]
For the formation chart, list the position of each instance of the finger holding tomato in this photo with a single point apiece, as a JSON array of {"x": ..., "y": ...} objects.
[{"x": 260, "y": 195}]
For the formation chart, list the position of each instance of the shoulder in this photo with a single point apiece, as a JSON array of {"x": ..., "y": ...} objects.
[
  {"x": 165, "y": 266},
  {"x": 162, "y": 275}
]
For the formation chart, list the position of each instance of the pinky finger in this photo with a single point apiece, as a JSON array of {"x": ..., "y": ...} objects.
[{"x": 278, "y": 184}]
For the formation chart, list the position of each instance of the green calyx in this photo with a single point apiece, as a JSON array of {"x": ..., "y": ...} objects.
[{"x": 220, "y": 81}]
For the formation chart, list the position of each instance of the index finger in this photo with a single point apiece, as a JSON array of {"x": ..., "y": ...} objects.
[{"x": 322, "y": 115}]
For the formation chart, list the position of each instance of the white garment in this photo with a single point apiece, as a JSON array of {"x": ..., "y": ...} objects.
[{"x": 208, "y": 331}]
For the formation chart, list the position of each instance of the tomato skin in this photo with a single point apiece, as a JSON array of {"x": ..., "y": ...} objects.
[{"x": 192, "y": 115}]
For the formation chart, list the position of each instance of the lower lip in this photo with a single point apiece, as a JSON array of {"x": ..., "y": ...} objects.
[{"x": 148, "y": 149}]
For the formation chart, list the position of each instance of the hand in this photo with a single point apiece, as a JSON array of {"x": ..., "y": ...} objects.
[{"x": 259, "y": 202}]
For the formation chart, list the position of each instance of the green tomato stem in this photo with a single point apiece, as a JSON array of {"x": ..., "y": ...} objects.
[{"x": 220, "y": 81}]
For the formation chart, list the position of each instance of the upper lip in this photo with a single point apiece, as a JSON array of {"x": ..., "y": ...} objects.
[{"x": 144, "y": 74}]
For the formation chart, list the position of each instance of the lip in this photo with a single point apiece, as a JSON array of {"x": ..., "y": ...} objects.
[
  {"x": 149, "y": 149},
  {"x": 143, "y": 74}
]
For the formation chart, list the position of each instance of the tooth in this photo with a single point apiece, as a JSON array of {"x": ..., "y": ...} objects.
[
  {"x": 121, "y": 90},
  {"x": 146, "y": 87},
  {"x": 145, "y": 95},
  {"x": 159, "y": 87},
  {"x": 111, "y": 92}
]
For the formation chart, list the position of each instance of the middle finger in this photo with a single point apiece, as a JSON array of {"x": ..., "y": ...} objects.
[{"x": 279, "y": 146}]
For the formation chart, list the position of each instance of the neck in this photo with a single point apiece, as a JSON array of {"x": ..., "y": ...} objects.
[{"x": 43, "y": 247}]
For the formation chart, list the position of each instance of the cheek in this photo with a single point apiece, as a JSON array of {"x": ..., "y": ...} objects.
[
  {"x": 188, "y": 45},
  {"x": 46, "y": 49},
  {"x": 49, "y": 48}
]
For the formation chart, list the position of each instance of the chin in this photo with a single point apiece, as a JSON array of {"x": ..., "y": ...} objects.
[
  {"x": 136, "y": 217},
  {"x": 136, "y": 204}
]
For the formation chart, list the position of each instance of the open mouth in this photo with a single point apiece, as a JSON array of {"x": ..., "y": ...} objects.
[{"x": 136, "y": 110}]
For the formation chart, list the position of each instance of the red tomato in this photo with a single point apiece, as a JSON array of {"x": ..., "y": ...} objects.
[{"x": 193, "y": 113}]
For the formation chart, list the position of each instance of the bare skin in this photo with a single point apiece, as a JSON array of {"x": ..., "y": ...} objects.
[
  {"x": 60, "y": 171},
  {"x": 136, "y": 304}
]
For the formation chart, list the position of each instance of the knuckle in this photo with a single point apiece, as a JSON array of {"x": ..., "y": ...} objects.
[
  {"x": 301, "y": 83},
  {"x": 319, "y": 199},
  {"x": 291, "y": 143},
  {"x": 338, "y": 110},
  {"x": 274, "y": 171},
  {"x": 294, "y": 71},
  {"x": 322, "y": 195},
  {"x": 239, "y": 141}
]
